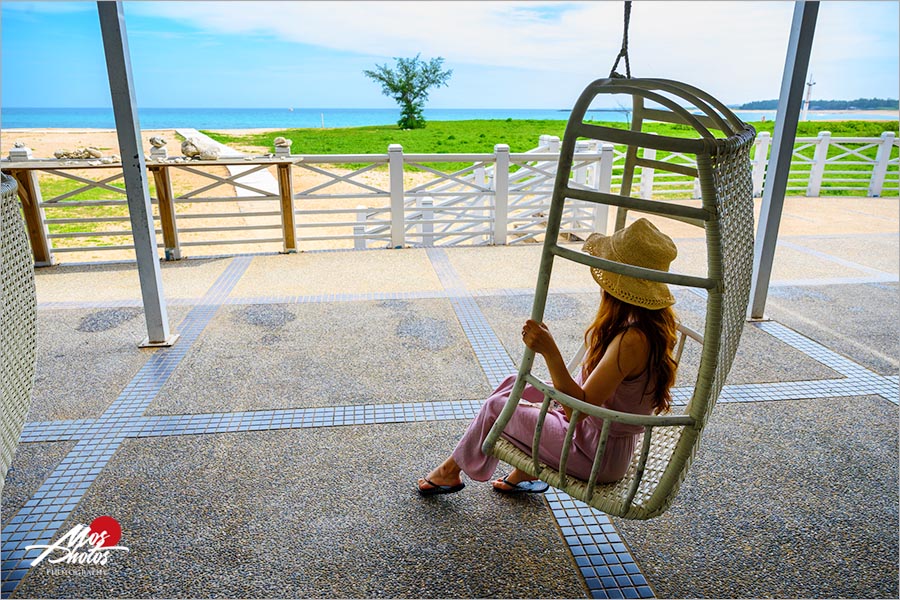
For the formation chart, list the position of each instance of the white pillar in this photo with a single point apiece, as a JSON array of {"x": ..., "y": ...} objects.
[
  {"x": 427, "y": 227},
  {"x": 647, "y": 175},
  {"x": 796, "y": 62},
  {"x": 501, "y": 193},
  {"x": 604, "y": 184},
  {"x": 817, "y": 171},
  {"x": 760, "y": 159},
  {"x": 359, "y": 231},
  {"x": 121, "y": 87},
  {"x": 398, "y": 209},
  {"x": 881, "y": 163}
]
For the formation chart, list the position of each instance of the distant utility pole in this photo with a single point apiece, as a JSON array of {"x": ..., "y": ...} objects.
[{"x": 809, "y": 85}]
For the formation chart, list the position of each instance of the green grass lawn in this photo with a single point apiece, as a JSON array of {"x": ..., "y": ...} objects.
[
  {"x": 481, "y": 135},
  {"x": 448, "y": 137}
]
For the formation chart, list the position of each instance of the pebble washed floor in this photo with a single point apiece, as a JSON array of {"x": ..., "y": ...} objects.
[{"x": 61, "y": 457}]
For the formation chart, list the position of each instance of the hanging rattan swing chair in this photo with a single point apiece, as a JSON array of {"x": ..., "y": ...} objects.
[{"x": 726, "y": 214}]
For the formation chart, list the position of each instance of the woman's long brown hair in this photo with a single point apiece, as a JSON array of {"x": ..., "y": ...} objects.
[{"x": 658, "y": 326}]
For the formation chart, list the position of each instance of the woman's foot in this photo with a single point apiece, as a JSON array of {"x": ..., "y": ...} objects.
[
  {"x": 508, "y": 483},
  {"x": 445, "y": 479}
]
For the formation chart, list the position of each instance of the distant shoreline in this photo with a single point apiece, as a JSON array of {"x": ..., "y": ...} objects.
[{"x": 247, "y": 130}]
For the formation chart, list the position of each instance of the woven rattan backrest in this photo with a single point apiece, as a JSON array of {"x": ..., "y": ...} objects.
[{"x": 17, "y": 324}]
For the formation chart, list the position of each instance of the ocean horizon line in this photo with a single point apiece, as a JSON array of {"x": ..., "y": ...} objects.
[{"x": 329, "y": 118}]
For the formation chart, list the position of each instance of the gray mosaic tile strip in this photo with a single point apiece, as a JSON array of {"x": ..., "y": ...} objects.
[
  {"x": 813, "y": 349},
  {"x": 141, "y": 390},
  {"x": 603, "y": 559},
  {"x": 608, "y": 569},
  {"x": 336, "y": 416},
  {"x": 46, "y": 511},
  {"x": 491, "y": 355}
]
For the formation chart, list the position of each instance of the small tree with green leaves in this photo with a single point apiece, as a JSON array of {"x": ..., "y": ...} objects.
[{"x": 408, "y": 84}]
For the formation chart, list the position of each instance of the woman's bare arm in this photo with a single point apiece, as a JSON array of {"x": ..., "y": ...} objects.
[{"x": 626, "y": 356}]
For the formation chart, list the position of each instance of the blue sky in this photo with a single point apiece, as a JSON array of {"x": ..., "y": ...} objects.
[{"x": 510, "y": 54}]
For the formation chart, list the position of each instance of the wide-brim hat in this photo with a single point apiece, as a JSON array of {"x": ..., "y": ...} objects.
[{"x": 640, "y": 244}]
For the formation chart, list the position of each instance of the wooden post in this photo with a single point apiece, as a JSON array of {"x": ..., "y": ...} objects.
[
  {"x": 398, "y": 209},
  {"x": 30, "y": 196},
  {"x": 286, "y": 189},
  {"x": 818, "y": 166},
  {"x": 881, "y": 163},
  {"x": 501, "y": 193},
  {"x": 166, "y": 202}
]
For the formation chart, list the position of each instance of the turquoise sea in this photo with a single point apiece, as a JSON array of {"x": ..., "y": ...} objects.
[{"x": 278, "y": 118}]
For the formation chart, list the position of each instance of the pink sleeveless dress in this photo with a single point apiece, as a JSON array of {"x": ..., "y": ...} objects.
[{"x": 631, "y": 396}]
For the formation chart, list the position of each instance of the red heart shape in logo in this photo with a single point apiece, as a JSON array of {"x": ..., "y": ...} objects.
[{"x": 110, "y": 526}]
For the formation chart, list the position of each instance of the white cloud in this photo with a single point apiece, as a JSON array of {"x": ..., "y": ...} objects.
[{"x": 735, "y": 49}]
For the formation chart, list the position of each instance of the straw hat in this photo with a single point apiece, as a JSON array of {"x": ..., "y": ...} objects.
[{"x": 640, "y": 244}]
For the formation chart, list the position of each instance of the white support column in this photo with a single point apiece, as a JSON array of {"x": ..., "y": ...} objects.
[
  {"x": 121, "y": 86},
  {"x": 647, "y": 175},
  {"x": 398, "y": 209},
  {"x": 796, "y": 62},
  {"x": 427, "y": 226},
  {"x": 604, "y": 184},
  {"x": 817, "y": 171},
  {"x": 760, "y": 159},
  {"x": 881, "y": 163},
  {"x": 359, "y": 230},
  {"x": 579, "y": 209},
  {"x": 501, "y": 194}
]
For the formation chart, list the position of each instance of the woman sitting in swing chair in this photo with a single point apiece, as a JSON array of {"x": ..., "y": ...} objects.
[{"x": 628, "y": 367}]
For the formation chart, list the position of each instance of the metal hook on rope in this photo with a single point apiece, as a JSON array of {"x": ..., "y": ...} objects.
[{"x": 623, "y": 53}]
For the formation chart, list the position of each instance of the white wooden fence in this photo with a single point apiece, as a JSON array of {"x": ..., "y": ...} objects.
[{"x": 493, "y": 198}]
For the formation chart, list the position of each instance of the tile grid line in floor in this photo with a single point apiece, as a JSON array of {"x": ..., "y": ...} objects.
[
  {"x": 365, "y": 414},
  {"x": 86, "y": 429},
  {"x": 497, "y": 365},
  {"x": 39, "y": 520}
]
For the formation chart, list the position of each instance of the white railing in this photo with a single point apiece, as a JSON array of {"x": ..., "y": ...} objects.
[{"x": 393, "y": 199}]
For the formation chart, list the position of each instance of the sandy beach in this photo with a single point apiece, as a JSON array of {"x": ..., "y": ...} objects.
[{"x": 186, "y": 180}]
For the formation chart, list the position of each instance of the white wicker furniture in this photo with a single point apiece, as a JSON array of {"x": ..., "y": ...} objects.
[
  {"x": 724, "y": 172},
  {"x": 17, "y": 324}
]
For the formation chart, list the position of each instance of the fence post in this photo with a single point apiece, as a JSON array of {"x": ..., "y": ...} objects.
[
  {"x": 286, "y": 190},
  {"x": 165, "y": 199},
  {"x": 604, "y": 184},
  {"x": 760, "y": 160},
  {"x": 35, "y": 222},
  {"x": 426, "y": 227},
  {"x": 359, "y": 231},
  {"x": 553, "y": 143},
  {"x": 398, "y": 216},
  {"x": 647, "y": 175},
  {"x": 882, "y": 158},
  {"x": 501, "y": 193},
  {"x": 817, "y": 170},
  {"x": 580, "y": 208}
]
